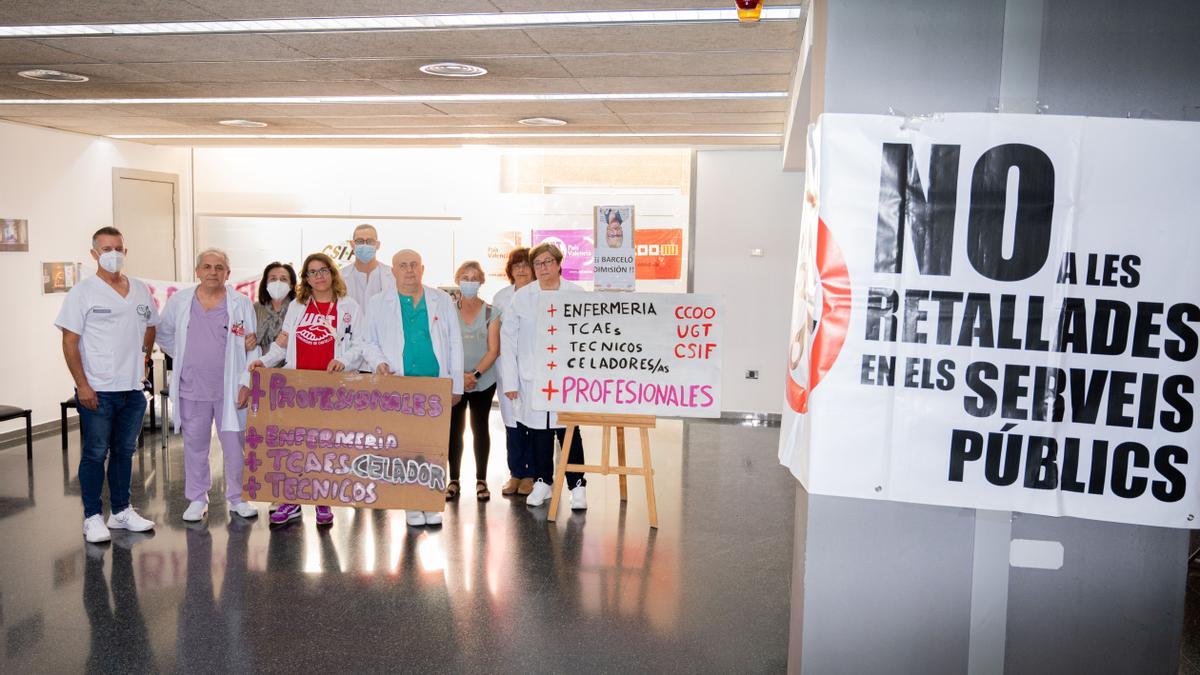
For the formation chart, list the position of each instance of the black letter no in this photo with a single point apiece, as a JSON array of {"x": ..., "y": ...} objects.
[{"x": 1034, "y": 209}]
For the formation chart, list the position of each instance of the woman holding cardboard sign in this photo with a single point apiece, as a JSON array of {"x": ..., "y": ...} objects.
[
  {"x": 518, "y": 363},
  {"x": 318, "y": 334}
]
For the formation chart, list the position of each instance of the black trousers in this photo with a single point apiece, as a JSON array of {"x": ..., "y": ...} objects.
[
  {"x": 542, "y": 454},
  {"x": 480, "y": 403}
]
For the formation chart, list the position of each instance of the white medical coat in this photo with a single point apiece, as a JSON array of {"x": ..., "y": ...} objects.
[
  {"x": 172, "y": 339},
  {"x": 518, "y": 362},
  {"x": 383, "y": 339}
]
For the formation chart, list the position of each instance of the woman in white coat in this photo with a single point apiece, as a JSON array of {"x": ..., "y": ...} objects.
[
  {"x": 319, "y": 333},
  {"x": 414, "y": 331},
  {"x": 520, "y": 474},
  {"x": 208, "y": 330},
  {"x": 518, "y": 365}
]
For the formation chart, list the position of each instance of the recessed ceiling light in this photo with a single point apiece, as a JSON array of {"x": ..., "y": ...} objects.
[
  {"x": 417, "y": 22},
  {"x": 453, "y": 70},
  {"x": 411, "y": 98},
  {"x": 44, "y": 75},
  {"x": 542, "y": 122},
  {"x": 243, "y": 124}
]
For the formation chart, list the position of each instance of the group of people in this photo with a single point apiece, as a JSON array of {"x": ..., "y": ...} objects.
[{"x": 366, "y": 316}]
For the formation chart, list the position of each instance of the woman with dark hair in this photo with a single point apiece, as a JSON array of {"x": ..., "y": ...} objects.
[
  {"x": 276, "y": 290},
  {"x": 318, "y": 334},
  {"x": 520, "y": 480}
]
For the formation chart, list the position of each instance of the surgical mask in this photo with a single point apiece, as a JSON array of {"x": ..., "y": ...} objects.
[
  {"x": 278, "y": 290},
  {"x": 469, "y": 289},
  {"x": 364, "y": 252},
  {"x": 112, "y": 261}
]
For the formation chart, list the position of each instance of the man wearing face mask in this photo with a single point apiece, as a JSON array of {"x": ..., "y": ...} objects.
[
  {"x": 366, "y": 276},
  {"x": 108, "y": 325}
]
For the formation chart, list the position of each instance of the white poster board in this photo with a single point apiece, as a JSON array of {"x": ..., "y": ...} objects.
[
  {"x": 639, "y": 353},
  {"x": 999, "y": 312}
]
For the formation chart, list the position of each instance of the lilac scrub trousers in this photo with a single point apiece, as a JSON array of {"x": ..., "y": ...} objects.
[{"x": 201, "y": 400}]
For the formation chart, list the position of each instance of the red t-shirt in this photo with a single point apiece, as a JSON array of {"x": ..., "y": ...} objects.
[{"x": 315, "y": 336}]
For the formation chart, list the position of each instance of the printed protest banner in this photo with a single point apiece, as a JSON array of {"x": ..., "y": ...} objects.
[
  {"x": 615, "y": 267},
  {"x": 999, "y": 311},
  {"x": 643, "y": 353},
  {"x": 347, "y": 439},
  {"x": 659, "y": 253},
  {"x": 577, "y": 248}
]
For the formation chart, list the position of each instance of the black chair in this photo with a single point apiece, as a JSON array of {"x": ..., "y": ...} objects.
[
  {"x": 12, "y": 412},
  {"x": 71, "y": 403}
]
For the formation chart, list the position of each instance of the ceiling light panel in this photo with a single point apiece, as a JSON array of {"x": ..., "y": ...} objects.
[
  {"x": 446, "y": 136},
  {"x": 408, "y": 98},
  {"x": 417, "y": 22}
]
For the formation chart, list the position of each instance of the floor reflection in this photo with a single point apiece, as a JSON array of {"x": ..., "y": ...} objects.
[
  {"x": 497, "y": 588},
  {"x": 119, "y": 640}
]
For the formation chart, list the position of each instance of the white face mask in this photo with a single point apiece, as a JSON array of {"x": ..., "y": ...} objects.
[
  {"x": 469, "y": 289},
  {"x": 278, "y": 290},
  {"x": 112, "y": 261}
]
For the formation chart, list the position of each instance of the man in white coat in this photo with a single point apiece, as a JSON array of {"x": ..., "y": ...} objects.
[
  {"x": 366, "y": 277},
  {"x": 518, "y": 364},
  {"x": 208, "y": 330},
  {"x": 414, "y": 332}
]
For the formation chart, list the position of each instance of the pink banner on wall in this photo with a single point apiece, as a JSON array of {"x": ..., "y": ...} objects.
[{"x": 577, "y": 247}]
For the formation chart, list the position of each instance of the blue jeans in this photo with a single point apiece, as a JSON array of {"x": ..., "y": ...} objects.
[
  {"x": 111, "y": 430},
  {"x": 517, "y": 440}
]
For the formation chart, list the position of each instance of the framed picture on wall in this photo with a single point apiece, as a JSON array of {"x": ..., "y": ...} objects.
[
  {"x": 14, "y": 235},
  {"x": 59, "y": 277}
]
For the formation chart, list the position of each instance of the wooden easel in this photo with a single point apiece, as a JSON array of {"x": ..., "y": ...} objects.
[{"x": 606, "y": 423}]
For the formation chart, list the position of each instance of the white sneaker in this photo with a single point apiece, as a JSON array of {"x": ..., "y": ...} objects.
[
  {"x": 94, "y": 530},
  {"x": 244, "y": 509},
  {"x": 195, "y": 512},
  {"x": 433, "y": 518},
  {"x": 579, "y": 497},
  {"x": 415, "y": 518},
  {"x": 129, "y": 520},
  {"x": 541, "y": 492}
]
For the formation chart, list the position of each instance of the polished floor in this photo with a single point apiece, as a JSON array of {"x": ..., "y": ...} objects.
[{"x": 497, "y": 588}]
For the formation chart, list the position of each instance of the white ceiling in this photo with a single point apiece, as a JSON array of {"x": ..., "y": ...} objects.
[{"x": 599, "y": 59}]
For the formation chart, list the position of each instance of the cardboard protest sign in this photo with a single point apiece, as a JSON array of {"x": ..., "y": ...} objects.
[
  {"x": 642, "y": 353},
  {"x": 615, "y": 266},
  {"x": 347, "y": 439},
  {"x": 999, "y": 311}
]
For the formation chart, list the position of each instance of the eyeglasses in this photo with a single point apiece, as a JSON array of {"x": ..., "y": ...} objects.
[
  {"x": 319, "y": 272},
  {"x": 365, "y": 242},
  {"x": 545, "y": 263}
]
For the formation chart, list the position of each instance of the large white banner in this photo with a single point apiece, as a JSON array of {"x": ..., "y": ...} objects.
[
  {"x": 629, "y": 353},
  {"x": 999, "y": 311}
]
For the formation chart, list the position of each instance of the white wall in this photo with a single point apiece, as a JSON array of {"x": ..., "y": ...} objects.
[
  {"x": 463, "y": 185},
  {"x": 62, "y": 184},
  {"x": 745, "y": 201}
]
